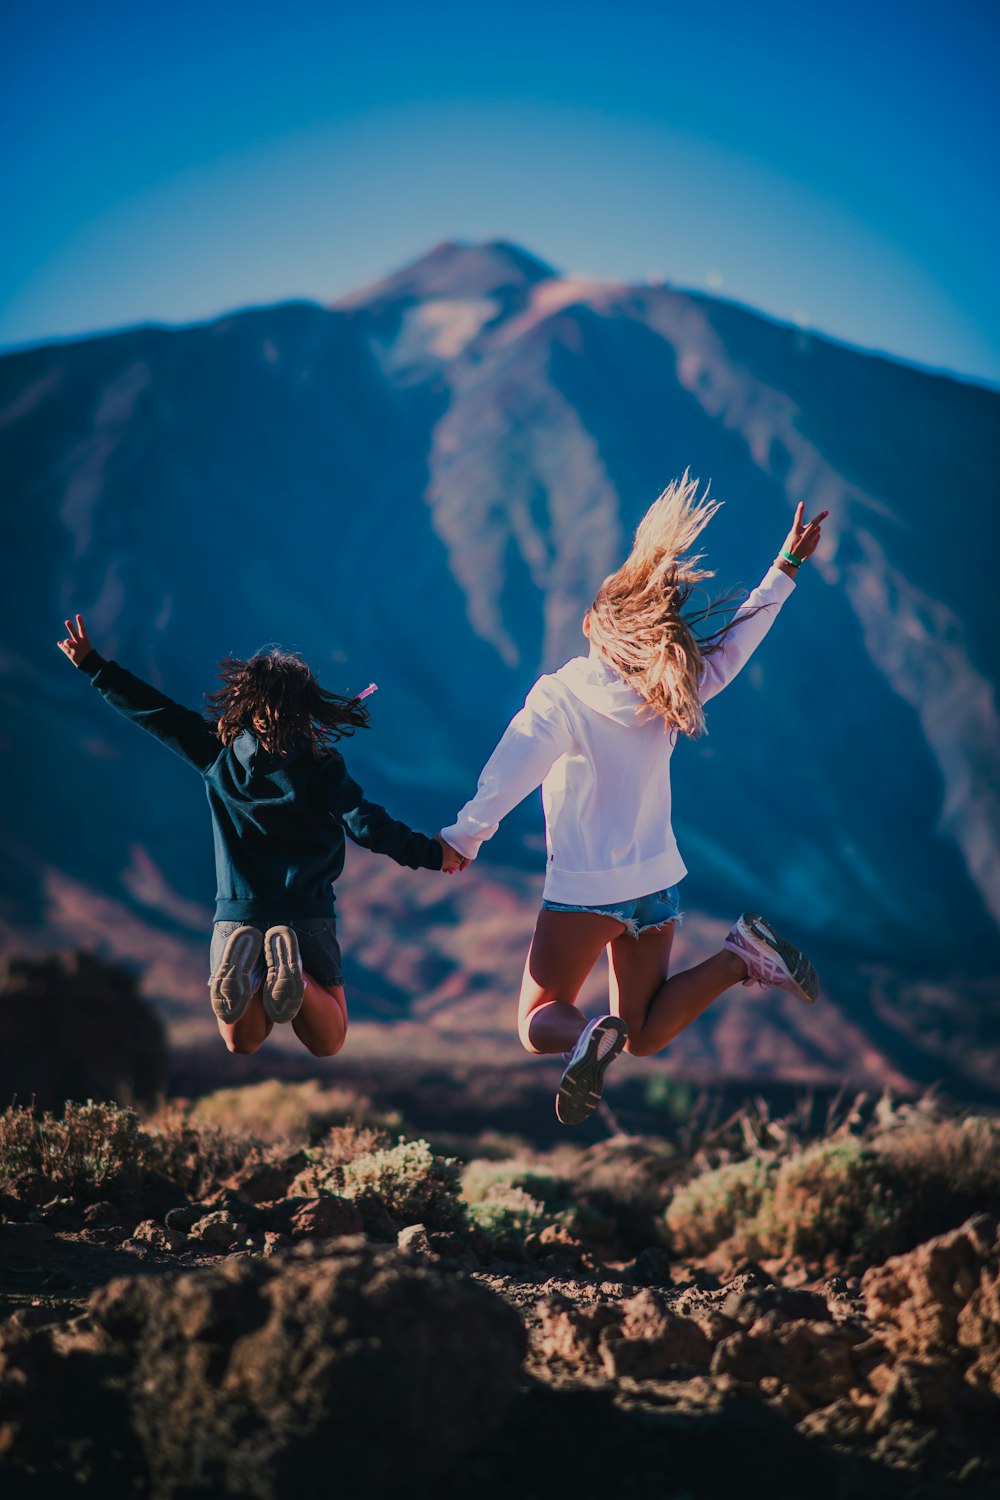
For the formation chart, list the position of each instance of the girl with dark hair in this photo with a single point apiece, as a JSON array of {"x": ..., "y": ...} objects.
[
  {"x": 598, "y": 734},
  {"x": 281, "y": 801}
]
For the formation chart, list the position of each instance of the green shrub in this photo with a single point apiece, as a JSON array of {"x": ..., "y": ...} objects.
[
  {"x": 416, "y": 1186},
  {"x": 482, "y": 1180},
  {"x": 515, "y": 1198},
  {"x": 857, "y": 1198},
  {"x": 835, "y": 1197},
  {"x": 714, "y": 1206},
  {"x": 510, "y": 1199},
  {"x": 510, "y": 1212},
  {"x": 831, "y": 1197}
]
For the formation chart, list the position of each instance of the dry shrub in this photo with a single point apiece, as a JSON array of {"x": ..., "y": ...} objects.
[
  {"x": 941, "y": 1170},
  {"x": 965, "y": 1150},
  {"x": 100, "y": 1149},
  {"x": 273, "y": 1110},
  {"x": 199, "y": 1156},
  {"x": 343, "y": 1143},
  {"x": 625, "y": 1180},
  {"x": 93, "y": 1148}
]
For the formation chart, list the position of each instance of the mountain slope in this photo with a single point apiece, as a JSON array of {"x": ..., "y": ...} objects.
[{"x": 424, "y": 485}]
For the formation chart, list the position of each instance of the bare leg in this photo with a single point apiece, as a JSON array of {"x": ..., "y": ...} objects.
[
  {"x": 251, "y": 1031},
  {"x": 321, "y": 1024},
  {"x": 655, "y": 1008},
  {"x": 564, "y": 949}
]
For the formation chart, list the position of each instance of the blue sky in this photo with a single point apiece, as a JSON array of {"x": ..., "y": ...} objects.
[{"x": 837, "y": 168}]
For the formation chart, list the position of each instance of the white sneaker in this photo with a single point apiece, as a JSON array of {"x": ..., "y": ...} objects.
[
  {"x": 770, "y": 960},
  {"x": 234, "y": 981},
  {"x": 582, "y": 1083},
  {"x": 284, "y": 986}
]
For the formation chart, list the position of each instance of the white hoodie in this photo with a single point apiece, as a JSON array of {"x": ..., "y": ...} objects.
[{"x": 603, "y": 760}]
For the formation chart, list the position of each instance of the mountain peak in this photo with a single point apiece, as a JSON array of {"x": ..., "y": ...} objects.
[{"x": 457, "y": 270}]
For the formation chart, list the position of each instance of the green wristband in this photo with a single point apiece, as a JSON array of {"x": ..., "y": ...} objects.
[{"x": 790, "y": 557}]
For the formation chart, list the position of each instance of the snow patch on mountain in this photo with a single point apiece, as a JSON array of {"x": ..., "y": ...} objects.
[
  {"x": 504, "y": 490},
  {"x": 436, "y": 330}
]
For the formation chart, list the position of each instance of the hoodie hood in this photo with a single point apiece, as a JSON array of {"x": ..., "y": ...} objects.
[
  {"x": 255, "y": 760},
  {"x": 596, "y": 683}
]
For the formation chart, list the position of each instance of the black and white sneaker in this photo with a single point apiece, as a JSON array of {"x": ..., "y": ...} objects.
[
  {"x": 582, "y": 1083},
  {"x": 284, "y": 986},
  {"x": 234, "y": 981}
]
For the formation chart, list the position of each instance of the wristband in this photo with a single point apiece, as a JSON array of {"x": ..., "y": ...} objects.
[{"x": 790, "y": 557}]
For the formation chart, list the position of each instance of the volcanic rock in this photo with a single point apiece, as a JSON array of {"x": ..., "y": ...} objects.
[
  {"x": 254, "y": 1378},
  {"x": 943, "y": 1300},
  {"x": 324, "y": 1218}
]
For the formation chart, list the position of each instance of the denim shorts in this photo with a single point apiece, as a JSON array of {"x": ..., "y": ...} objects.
[
  {"x": 317, "y": 944},
  {"x": 640, "y": 915}
]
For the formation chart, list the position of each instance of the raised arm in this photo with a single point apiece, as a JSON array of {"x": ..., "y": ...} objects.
[
  {"x": 531, "y": 744},
  {"x": 755, "y": 617},
  {"x": 182, "y": 730}
]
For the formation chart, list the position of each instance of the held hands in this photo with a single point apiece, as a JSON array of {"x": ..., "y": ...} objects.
[
  {"x": 78, "y": 644},
  {"x": 451, "y": 861},
  {"x": 802, "y": 540}
]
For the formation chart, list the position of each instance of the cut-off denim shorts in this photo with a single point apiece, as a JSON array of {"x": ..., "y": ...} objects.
[
  {"x": 639, "y": 915},
  {"x": 318, "y": 946}
]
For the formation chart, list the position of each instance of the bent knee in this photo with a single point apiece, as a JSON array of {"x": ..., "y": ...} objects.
[
  {"x": 636, "y": 1047},
  {"x": 243, "y": 1048},
  {"x": 324, "y": 1049},
  {"x": 524, "y": 1034},
  {"x": 529, "y": 1045}
]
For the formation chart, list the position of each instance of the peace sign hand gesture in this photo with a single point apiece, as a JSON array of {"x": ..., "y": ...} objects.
[
  {"x": 803, "y": 539},
  {"x": 78, "y": 644}
]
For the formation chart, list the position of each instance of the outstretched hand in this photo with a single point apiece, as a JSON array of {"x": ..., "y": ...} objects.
[
  {"x": 78, "y": 645},
  {"x": 803, "y": 539},
  {"x": 451, "y": 860}
]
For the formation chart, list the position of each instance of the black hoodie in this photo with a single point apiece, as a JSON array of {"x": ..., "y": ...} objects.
[{"x": 279, "y": 820}]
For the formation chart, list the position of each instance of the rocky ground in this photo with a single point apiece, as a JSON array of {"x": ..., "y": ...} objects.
[{"x": 193, "y": 1308}]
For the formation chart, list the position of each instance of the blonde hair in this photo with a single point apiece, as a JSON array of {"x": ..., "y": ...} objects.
[{"x": 636, "y": 620}]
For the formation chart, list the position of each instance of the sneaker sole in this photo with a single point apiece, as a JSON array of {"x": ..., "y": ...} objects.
[
  {"x": 803, "y": 978},
  {"x": 232, "y": 984},
  {"x": 582, "y": 1084},
  {"x": 284, "y": 986}
]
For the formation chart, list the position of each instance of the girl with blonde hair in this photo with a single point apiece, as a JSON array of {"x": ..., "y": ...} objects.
[{"x": 598, "y": 735}]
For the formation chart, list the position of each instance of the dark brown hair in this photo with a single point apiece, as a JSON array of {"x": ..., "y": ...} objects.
[{"x": 275, "y": 695}]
